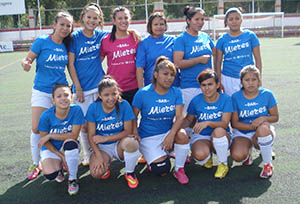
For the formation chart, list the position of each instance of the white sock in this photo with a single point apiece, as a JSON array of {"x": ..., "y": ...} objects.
[
  {"x": 181, "y": 152},
  {"x": 35, "y": 151},
  {"x": 131, "y": 159},
  {"x": 221, "y": 147},
  {"x": 84, "y": 142},
  {"x": 265, "y": 146},
  {"x": 72, "y": 159},
  {"x": 203, "y": 161}
]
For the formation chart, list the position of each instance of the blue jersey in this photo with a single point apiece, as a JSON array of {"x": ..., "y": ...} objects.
[
  {"x": 157, "y": 111},
  {"x": 51, "y": 62},
  {"x": 51, "y": 124},
  {"x": 193, "y": 47},
  {"x": 149, "y": 50},
  {"x": 237, "y": 52},
  {"x": 205, "y": 111},
  {"x": 109, "y": 123},
  {"x": 250, "y": 109},
  {"x": 87, "y": 62}
]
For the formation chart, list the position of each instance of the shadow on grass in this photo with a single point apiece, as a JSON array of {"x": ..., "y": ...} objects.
[{"x": 241, "y": 183}]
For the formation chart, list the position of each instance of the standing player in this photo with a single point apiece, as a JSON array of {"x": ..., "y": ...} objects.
[
  {"x": 109, "y": 128},
  {"x": 159, "y": 103},
  {"x": 255, "y": 108},
  {"x": 51, "y": 54},
  {"x": 155, "y": 45},
  {"x": 193, "y": 50},
  {"x": 59, "y": 128},
  {"x": 212, "y": 111},
  {"x": 120, "y": 48},
  {"x": 237, "y": 47},
  {"x": 85, "y": 65}
]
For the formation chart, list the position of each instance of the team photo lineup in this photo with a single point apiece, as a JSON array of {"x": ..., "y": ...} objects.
[{"x": 185, "y": 97}]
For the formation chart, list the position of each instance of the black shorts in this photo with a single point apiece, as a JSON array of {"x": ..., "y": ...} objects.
[{"x": 128, "y": 95}]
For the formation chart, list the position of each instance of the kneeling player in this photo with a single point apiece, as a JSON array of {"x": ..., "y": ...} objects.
[
  {"x": 255, "y": 108},
  {"x": 59, "y": 128},
  {"x": 159, "y": 103},
  {"x": 109, "y": 127},
  {"x": 212, "y": 111}
]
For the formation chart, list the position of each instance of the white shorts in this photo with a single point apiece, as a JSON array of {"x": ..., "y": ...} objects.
[
  {"x": 47, "y": 154},
  {"x": 231, "y": 85},
  {"x": 151, "y": 147},
  {"x": 237, "y": 133},
  {"x": 41, "y": 99},
  {"x": 111, "y": 150},
  {"x": 89, "y": 97},
  {"x": 195, "y": 137},
  {"x": 188, "y": 95}
]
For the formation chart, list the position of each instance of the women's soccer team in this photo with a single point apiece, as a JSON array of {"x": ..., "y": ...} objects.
[{"x": 161, "y": 96}]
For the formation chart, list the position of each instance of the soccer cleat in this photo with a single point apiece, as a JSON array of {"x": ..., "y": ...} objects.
[
  {"x": 132, "y": 180},
  {"x": 267, "y": 171},
  {"x": 181, "y": 176},
  {"x": 248, "y": 161},
  {"x": 221, "y": 172},
  {"x": 209, "y": 163},
  {"x": 60, "y": 177},
  {"x": 33, "y": 172},
  {"x": 142, "y": 160},
  {"x": 106, "y": 175},
  {"x": 73, "y": 187}
]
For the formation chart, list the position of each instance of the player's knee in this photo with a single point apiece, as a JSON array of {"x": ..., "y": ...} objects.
[
  {"x": 219, "y": 132},
  {"x": 263, "y": 130},
  {"x": 51, "y": 176},
  {"x": 130, "y": 144},
  {"x": 182, "y": 137},
  {"x": 238, "y": 156},
  {"x": 70, "y": 145},
  {"x": 97, "y": 174},
  {"x": 200, "y": 155},
  {"x": 161, "y": 168}
]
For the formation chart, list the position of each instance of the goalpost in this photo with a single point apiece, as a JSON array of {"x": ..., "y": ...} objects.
[{"x": 267, "y": 23}]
